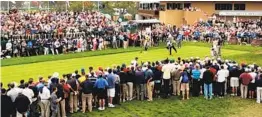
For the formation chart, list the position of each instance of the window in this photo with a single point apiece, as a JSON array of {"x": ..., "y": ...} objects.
[
  {"x": 187, "y": 5},
  {"x": 220, "y": 6},
  {"x": 239, "y": 6},
  {"x": 169, "y": 6},
  {"x": 140, "y": 6},
  {"x": 162, "y": 7},
  {"x": 174, "y": 6},
  {"x": 179, "y": 6}
]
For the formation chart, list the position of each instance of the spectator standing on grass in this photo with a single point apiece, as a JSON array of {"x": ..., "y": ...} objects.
[
  {"x": 123, "y": 81},
  {"x": 184, "y": 79},
  {"x": 74, "y": 86},
  {"x": 117, "y": 88},
  {"x": 140, "y": 83},
  {"x": 176, "y": 74},
  {"x": 149, "y": 82},
  {"x": 208, "y": 79},
  {"x": 87, "y": 89},
  {"x": 245, "y": 78},
  {"x": 234, "y": 79},
  {"x": 259, "y": 88},
  {"x": 167, "y": 69},
  {"x": 157, "y": 79},
  {"x": 101, "y": 85},
  {"x": 222, "y": 75},
  {"x": 111, "y": 79},
  {"x": 196, "y": 80},
  {"x": 54, "y": 102},
  {"x": 252, "y": 85},
  {"x": 44, "y": 94}
]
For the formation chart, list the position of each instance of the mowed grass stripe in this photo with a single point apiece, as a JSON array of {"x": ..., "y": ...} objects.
[{"x": 17, "y": 72}]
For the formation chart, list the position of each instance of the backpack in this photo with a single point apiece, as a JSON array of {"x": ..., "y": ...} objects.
[{"x": 185, "y": 78}]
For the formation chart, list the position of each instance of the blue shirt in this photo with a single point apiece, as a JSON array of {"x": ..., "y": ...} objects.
[
  {"x": 111, "y": 81},
  {"x": 101, "y": 83},
  {"x": 39, "y": 86},
  {"x": 179, "y": 37},
  {"x": 196, "y": 74}
]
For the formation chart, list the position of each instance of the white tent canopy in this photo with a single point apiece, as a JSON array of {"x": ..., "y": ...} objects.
[
  {"x": 240, "y": 13},
  {"x": 156, "y": 1},
  {"x": 149, "y": 21}
]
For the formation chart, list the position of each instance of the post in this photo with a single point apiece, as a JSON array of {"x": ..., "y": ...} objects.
[
  {"x": 48, "y": 7},
  {"x": 66, "y": 6},
  {"x": 83, "y": 6},
  {"x": 97, "y": 5},
  {"x": 8, "y": 4},
  {"x": 29, "y": 8}
]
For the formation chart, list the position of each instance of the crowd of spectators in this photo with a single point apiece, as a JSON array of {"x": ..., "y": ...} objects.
[
  {"x": 109, "y": 87},
  {"x": 27, "y": 34},
  {"x": 214, "y": 28}
]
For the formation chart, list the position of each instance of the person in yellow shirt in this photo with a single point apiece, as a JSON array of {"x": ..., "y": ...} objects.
[{"x": 80, "y": 80}]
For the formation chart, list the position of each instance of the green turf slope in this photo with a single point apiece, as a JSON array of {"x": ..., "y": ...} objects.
[{"x": 17, "y": 72}]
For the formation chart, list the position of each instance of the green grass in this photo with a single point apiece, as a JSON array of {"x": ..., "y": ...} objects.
[
  {"x": 43, "y": 58},
  {"x": 174, "y": 107},
  {"x": 25, "y": 71},
  {"x": 21, "y": 68}
]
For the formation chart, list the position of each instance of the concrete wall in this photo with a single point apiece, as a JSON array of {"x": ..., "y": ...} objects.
[
  {"x": 192, "y": 16},
  {"x": 254, "y": 5},
  {"x": 208, "y": 7}
]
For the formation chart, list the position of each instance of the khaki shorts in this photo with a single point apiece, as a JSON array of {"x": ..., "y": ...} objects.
[
  {"x": 184, "y": 86},
  {"x": 234, "y": 82}
]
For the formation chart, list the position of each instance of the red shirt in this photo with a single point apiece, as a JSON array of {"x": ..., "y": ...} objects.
[
  {"x": 214, "y": 71},
  {"x": 245, "y": 78}
]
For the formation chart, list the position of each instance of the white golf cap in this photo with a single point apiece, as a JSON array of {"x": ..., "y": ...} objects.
[
  {"x": 55, "y": 75},
  {"x": 73, "y": 74}
]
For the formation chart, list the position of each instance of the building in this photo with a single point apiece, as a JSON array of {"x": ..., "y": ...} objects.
[{"x": 188, "y": 12}]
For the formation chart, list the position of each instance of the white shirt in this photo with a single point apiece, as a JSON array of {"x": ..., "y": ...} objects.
[
  {"x": 253, "y": 75},
  {"x": 133, "y": 63},
  {"x": 202, "y": 72},
  {"x": 8, "y": 46},
  {"x": 167, "y": 69},
  {"x": 13, "y": 93},
  {"x": 28, "y": 93},
  {"x": 222, "y": 74},
  {"x": 45, "y": 95}
]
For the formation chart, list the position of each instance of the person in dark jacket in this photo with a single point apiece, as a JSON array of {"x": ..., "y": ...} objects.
[
  {"x": 208, "y": 79},
  {"x": 130, "y": 82},
  {"x": 8, "y": 104},
  {"x": 157, "y": 79},
  {"x": 123, "y": 81},
  {"x": 234, "y": 74},
  {"x": 73, "y": 93},
  {"x": 259, "y": 88},
  {"x": 61, "y": 103},
  {"x": 140, "y": 84},
  {"x": 22, "y": 105},
  {"x": 87, "y": 89}
]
